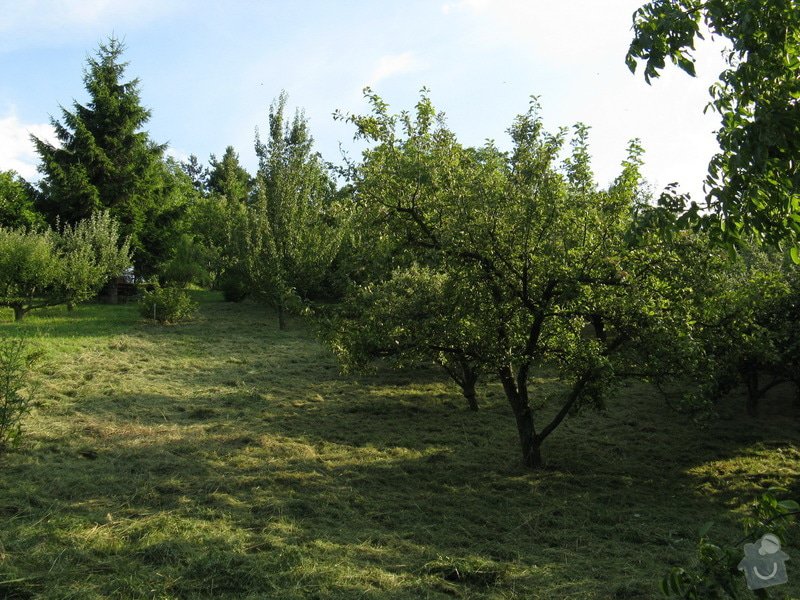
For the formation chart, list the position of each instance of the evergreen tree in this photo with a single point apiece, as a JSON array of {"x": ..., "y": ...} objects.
[
  {"x": 196, "y": 173},
  {"x": 228, "y": 178},
  {"x": 104, "y": 159}
]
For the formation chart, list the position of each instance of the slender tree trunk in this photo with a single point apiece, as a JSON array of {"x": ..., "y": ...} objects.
[
  {"x": 468, "y": 388},
  {"x": 530, "y": 443},
  {"x": 19, "y": 312},
  {"x": 751, "y": 379},
  {"x": 281, "y": 317}
]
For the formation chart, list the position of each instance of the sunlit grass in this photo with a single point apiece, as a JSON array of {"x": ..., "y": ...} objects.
[{"x": 227, "y": 459}]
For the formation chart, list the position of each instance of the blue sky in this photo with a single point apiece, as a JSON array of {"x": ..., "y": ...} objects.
[{"x": 209, "y": 71}]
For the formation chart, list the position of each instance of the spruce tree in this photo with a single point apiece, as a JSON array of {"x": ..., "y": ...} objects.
[
  {"x": 104, "y": 159},
  {"x": 228, "y": 178}
]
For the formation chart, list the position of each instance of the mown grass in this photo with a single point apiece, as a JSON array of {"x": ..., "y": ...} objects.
[{"x": 228, "y": 459}]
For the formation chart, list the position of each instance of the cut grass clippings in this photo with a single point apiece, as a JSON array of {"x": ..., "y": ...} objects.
[{"x": 227, "y": 459}]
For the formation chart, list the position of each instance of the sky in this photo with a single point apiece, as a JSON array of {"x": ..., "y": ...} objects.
[{"x": 209, "y": 70}]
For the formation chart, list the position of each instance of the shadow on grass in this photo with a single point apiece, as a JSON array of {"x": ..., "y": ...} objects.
[{"x": 226, "y": 459}]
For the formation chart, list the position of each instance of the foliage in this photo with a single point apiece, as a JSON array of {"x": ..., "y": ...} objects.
[
  {"x": 29, "y": 270},
  {"x": 91, "y": 253},
  {"x": 196, "y": 173},
  {"x": 167, "y": 305},
  {"x": 188, "y": 263},
  {"x": 747, "y": 336},
  {"x": 216, "y": 225},
  {"x": 753, "y": 183},
  {"x": 16, "y": 388},
  {"x": 715, "y": 574},
  {"x": 17, "y": 202},
  {"x": 105, "y": 161},
  {"x": 542, "y": 266},
  {"x": 47, "y": 267},
  {"x": 416, "y": 316},
  {"x": 291, "y": 236},
  {"x": 228, "y": 178}
]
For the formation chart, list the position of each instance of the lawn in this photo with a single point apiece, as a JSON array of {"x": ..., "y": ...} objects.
[{"x": 227, "y": 459}]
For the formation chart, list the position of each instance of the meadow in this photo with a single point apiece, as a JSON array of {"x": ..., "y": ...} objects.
[{"x": 225, "y": 458}]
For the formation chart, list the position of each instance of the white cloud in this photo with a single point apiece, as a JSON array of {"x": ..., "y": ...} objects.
[
  {"x": 393, "y": 64},
  {"x": 16, "y": 149}
]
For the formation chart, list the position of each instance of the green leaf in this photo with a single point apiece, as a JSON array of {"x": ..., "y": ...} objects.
[
  {"x": 795, "y": 254},
  {"x": 705, "y": 528},
  {"x": 788, "y": 505}
]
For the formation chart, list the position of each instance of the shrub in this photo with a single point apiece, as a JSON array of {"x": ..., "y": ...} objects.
[
  {"x": 15, "y": 388},
  {"x": 233, "y": 285},
  {"x": 167, "y": 305}
]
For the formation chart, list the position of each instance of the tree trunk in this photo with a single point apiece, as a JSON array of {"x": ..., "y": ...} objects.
[
  {"x": 113, "y": 292},
  {"x": 469, "y": 381},
  {"x": 530, "y": 443},
  {"x": 751, "y": 379},
  {"x": 19, "y": 312},
  {"x": 281, "y": 317}
]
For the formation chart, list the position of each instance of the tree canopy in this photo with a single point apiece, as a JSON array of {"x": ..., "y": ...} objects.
[
  {"x": 290, "y": 237},
  {"x": 47, "y": 267},
  {"x": 543, "y": 268},
  {"x": 753, "y": 183}
]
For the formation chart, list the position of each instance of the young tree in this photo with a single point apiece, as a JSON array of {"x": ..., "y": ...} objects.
[
  {"x": 47, "y": 267},
  {"x": 753, "y": 183},
  {"x": 554, "y": 278},
  {"x": 105, "y": 160},
  {"x": 291, "y": 237}
]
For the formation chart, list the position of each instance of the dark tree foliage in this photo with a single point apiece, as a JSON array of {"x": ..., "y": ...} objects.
[
  {"x": 228, "y": 178},
  {"x": 196, "y": 172},
  {"x": 753, "y": 183},
  {"x": 509, "y": 263},
  {"x": 104, "y": 159}
]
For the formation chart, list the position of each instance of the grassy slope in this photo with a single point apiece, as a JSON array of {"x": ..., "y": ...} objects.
[{"x": 227, "y": 459}]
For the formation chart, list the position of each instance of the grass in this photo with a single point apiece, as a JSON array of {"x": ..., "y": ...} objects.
[{"x": 228, "y": 459}]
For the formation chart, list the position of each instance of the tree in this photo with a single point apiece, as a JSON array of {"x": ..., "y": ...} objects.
[
  {"x": 196, "y": 173},
  {"x": 228, "y": 178},
  {"x": 17, "y": 202},
  {"x": 556, "y": 281},
  {"x": 416, "y": 316},
  {"x": 47, "y": 267},
  {"x": 291, "y": 237},
  {"x": 753, "y": 183},
  {"x": 104, "y": 160}
]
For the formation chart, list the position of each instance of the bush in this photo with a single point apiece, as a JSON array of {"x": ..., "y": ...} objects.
[
  {"x": 167, "y": 305},
  {"x": 15, "y": 389},
  {"x": 234, "y": 286}
]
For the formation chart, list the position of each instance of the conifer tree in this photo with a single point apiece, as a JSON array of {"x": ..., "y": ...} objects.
[
  {"x": 228, "y": 178},
  {"x": 103, "y": 158}
]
